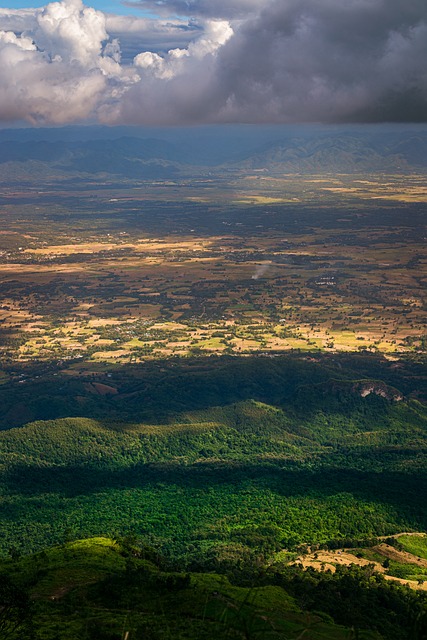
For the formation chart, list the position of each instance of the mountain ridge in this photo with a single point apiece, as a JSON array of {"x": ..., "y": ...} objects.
[{"x": 134, "y": 157}]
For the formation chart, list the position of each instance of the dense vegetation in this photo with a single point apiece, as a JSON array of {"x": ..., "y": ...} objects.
[
  {"x": 211, "y": 475},
  {"x": 246, "y": 457},
  {"x": 101, "y": 589}
]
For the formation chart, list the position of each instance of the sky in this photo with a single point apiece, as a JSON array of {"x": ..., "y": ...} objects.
[
  {"x": 191, "y": 62},
  {"x": 110, "y": 6}
]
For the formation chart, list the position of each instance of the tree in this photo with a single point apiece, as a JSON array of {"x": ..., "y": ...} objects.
[{"x": 15, "y": 611}]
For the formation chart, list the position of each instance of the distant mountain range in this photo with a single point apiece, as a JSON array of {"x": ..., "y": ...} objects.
[
  {"x": 156, "y": 154},
  {"x": 342, "y": 153}
]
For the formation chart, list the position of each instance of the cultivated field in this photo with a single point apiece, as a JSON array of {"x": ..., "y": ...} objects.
[{"x": 390, "y": 560}]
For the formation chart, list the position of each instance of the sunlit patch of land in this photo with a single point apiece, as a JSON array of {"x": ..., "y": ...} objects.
[
  {"x": 259, "y": 199},
  {"x": 397, "y": 190},
  {"x": 142, "y": 246},
  {"x": 382, "y": 558}
]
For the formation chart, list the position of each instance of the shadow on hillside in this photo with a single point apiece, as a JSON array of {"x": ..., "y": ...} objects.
[
  {"x": 402, "y": 491},
  {"x": 156, "y": 392}
]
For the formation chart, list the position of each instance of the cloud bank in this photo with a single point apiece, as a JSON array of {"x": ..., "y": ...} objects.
[{"x": 269, "y": 61}]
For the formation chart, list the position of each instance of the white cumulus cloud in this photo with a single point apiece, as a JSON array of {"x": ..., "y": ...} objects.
[
  {"x": 72, "y": 32},
  {"x": 177, "y": 61}
]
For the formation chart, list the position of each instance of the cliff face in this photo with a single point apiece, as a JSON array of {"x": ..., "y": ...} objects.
[
  {"x": 340, "y": 389},
  {"x": 379, "y": 388}
]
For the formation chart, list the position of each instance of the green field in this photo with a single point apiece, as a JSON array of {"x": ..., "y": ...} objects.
[{"x": 415, "y": 545}]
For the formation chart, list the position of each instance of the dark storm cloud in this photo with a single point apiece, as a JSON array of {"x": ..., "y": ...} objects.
[
  {"x": 329, "y": 61},
  {"x": 237, "y": 61}
]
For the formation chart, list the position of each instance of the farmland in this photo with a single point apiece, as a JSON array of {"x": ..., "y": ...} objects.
[{"x": 233, "y": 263}]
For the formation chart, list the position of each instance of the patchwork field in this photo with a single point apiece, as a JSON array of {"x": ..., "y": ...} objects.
[{"x": 234, "y": 264}]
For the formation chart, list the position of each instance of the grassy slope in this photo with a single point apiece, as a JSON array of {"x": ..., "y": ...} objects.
[{"x": 414, "y": 544}]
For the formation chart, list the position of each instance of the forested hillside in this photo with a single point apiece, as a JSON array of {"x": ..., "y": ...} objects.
[
  {"x": 246, "y": 456},
  {"x": 113, "y": 589},
  {"x": 209, "y": 480}
]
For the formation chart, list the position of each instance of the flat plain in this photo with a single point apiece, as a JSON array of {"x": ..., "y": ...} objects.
[{"x": 234, "y": 262}]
